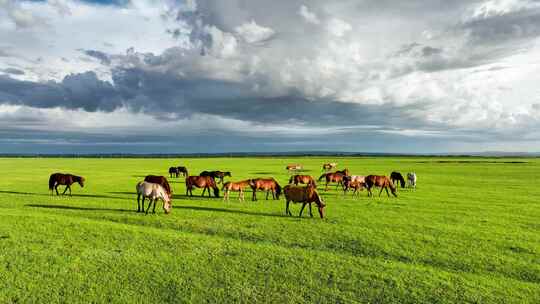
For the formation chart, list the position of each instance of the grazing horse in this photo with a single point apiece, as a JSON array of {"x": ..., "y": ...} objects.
[
  {"x": 160, "y": 180},
  {"x": 380, "y": 181},
  {"x": 329, "y": 166},
  {"x": 205, "y": 182},
  {"x": 305, "y": 195},
  {"x": 173, "y": 172},
  {"x": 153, "y": 192},
  {"x": 302, "y": 179},
  {"x": 182, "y": 170},
  {"x": 57, "y": 179},
  {"x": 293, "y": 168},
  {"x": 411, "y": 178},
  {"x": 216, "y": 174},
  {"x": 332, "y": 178},
  {"x": 397, "y": 177},
  {"x": 265, "y": 184},
  {"x": 238, "y": 186},
  {"x": 353, "y": 182}
]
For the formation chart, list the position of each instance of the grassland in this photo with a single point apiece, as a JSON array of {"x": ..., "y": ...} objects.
[{"x": 470, "y": 233}]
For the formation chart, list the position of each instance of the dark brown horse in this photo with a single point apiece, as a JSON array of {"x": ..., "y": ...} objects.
[
  {"x": 265, "y": 184},
  {"x": 380, "y": 181},
  {"x": 216, "y": 175},
  {"x": 57, "y": 179},
  {"x": 344, "y": 172},
  {"x": 302, "y": 179},
  {"x": 397, "y": 177},
  {"x": 160, "y": 180},
  {"x": 205, "y": 182},
  {"x": 332, "y": 178},
  {"x": 183, "y": 170},
  {"x": 173, "y": 172}
]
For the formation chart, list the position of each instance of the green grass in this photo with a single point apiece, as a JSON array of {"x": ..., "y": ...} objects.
[{"x": 470, "y": 233}]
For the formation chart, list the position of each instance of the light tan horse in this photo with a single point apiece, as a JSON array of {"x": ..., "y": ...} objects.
[
  {"x": 329, "y": 166},
  {"x": 238, "y": 187},
  {"x": 294, "y": 167},
  {"x": 153, "y": 192}
]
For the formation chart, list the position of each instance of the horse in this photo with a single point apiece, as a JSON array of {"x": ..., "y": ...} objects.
[
  {"x": 216, "y": 174},
  {"x": 305, "y": 195},
  {"x": 293, "y": 167},
  {"x": 173, "y": 171},
  {"x": 265, "y": 184},
  {"x": 344, "y": 172},
  {"x": 332, "y": 178},
  {"x": 57, "y": 179},
  {"x": 238, "y": 186},
  {"x": 329, "y": 166},
  {"x": 160, "y": 180},
  {"x": 354, "y": 182},
  {"x": 380, "y": 181},
  {"x": 302, "y": 179},
  {"x": 397, "y": 177},
  {"x": 153, "y": 192},
  {"x": 205, "y": 182},
  {"x": 182, "y": 170},
  {"x": 411, "y": 178}
]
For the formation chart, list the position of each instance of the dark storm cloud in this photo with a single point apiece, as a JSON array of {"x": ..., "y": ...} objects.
[{"x": 101, "y": 56}]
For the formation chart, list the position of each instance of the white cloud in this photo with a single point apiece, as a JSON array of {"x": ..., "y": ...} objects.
[
  {"x": 338, "y": 27},
  {"x": 309, "y": 17},
  {"x": 251, "y": 32}
]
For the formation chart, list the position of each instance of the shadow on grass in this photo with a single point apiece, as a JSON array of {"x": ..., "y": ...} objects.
[
  {"x": 223, "y": 210},
  {"x": 63, "y": 195},
  {"x": 63, "y": 207}
]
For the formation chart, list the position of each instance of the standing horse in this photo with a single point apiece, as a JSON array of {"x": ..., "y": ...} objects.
[
  {"x": 344, "y": 172},
  {"x": 57, "y": 179},
  {"x": 353, "y": 182},
  {"x": 160, "y": 180},
  {"x": 332, "y": 178},
  {"x": 238, "y": 186},
  {"x": 329, "y": 166},
  {"x": 173, "y": 172},
  {"x": 265, "y": 184},
  {"x": 182, "y": 170},
  {"x": 216, "y": 174},
  {"x": 380, "y": 181},
  {"x": 153, "y": 192},
  {"x": 304, "y": 195},
  {"x": 291, "y": 168},
  {"x": 205, "y": 182},
  {"x": 302, "y": 179},
  {"x": 397, "y": 177},
  {"x": 411, "y": 178}
]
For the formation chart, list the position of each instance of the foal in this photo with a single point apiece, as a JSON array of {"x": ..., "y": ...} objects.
[{"x": 238, "y": 186}]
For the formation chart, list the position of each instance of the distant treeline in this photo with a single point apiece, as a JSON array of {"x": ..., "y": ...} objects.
[{"x": 263, "y": 154}]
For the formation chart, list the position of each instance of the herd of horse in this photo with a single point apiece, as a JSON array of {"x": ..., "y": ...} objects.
[{"x": 301, "y": 188}]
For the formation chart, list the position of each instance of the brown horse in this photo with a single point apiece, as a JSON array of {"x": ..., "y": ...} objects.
[
  {"x": 57, "y": 179},
  {"x": 332, "y": 178},
  {"x": 344, "y": 172},
  {"x": 216, "y": 175},
  {"x": 380, "y": 181},
  {"x": 238, "y": 186},
  {"x": 353, "y": 183},
  {"x": 304, "y": 195},
  {"x": 205, "y": 182},
  {"x": 160, "y": 180},
  {"x": 182, "y": 170},
  {"x": 265, "y": 184},
  {"x": 302, "y": 179},
  {"x": 329, "y": 166}
]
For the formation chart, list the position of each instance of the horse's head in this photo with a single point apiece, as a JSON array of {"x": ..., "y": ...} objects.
[
  {"x": 320, "y": 204},
  {"x": 167, "y": 202},
  {"x": 81, "y": 181},
  {"x": 227, "y": 174}
]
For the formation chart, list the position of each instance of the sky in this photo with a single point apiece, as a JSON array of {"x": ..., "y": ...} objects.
[{"x": 201, "y": 76}]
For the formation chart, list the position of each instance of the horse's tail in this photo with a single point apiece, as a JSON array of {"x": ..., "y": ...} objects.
[
  {"x": 392, "y": 188},
  {"x": 51, "y": 182},
  {"x": 278, "y": 189},
  {"x": 402, "y": 181},
  {"x": 322, "y": 176}
]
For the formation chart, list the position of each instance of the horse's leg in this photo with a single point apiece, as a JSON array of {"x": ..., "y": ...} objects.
[
  {"x": 326, "y": 189},
  {"x": 254, "y": 197},
  {"x": 387, "y": 194},
  {"x": 154, "y": 209},
  {"x": 310, "y": 213},
  {"x": 69, "y": 190},
  {"x": 65, "y": 190},
  {"x": 149, "y": 205},
  {"x": 138, "y": 203},
  {"x": 267, "y": 192},
  {"x": 287, "y": 211},
  {"x": 56, "y": 189},
  {"x": 302, "y": 210},
  {"x": 382, "y": 187},
  {"x": 242, "y": 195}
]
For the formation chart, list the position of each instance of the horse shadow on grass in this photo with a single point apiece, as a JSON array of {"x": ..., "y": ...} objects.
[
  {"x": 224, "y": 210},
  {"x": 64, "y": 195},
  {"x": 64, "y": 207}
]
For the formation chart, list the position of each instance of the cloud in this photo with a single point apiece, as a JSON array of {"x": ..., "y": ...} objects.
[
  {"x": 251, "y": 32},
  {"x": 309, "y": 17},
  {"x": 338, "y": 27}
]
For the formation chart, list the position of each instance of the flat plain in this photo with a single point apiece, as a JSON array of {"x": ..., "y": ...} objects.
[{"x": 469, "y": 233}]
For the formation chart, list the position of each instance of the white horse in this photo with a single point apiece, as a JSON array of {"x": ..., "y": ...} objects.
[
  {"x": 411, "y": 178},
  {"x": 153, "y": 192}
]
